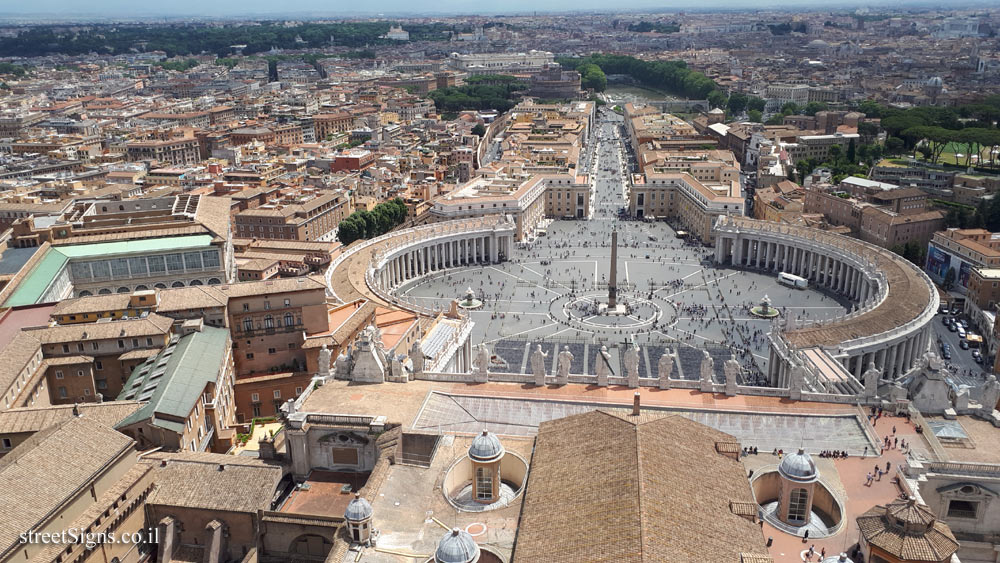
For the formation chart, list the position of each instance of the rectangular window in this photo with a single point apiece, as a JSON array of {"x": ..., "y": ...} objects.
[
  {"x": 175, "y": 263},
  {"x": 121, "y": 343},
  {"x": 277, "y": 393},
  {"x": 962, "y": 509},
  {"x": 59, "y": 374},
  {"x": 95, "y": 345},
  {"x": 119, "y": 268},
  {"x": 156, "y": 264},
  {"x": 101, "y": 269},
  {"x": 254, "y": 397},
  {"x": 99, "y": 365},
  {"x": 80, "y": 271},
  {"x": 210, "y": 258},
  {"x": 6, "y": 443},
  {"x": 137, "y": 266},
  {"x": 298, "y": 390},
  {"x": 192, "y": 260},
  {"x": 62, "y": 392},
  {"x": 65, "y": 348}
]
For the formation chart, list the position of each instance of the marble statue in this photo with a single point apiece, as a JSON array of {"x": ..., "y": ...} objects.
[
  {"x": 632, "y": 365},
  {"x": 603, "y": 368},
  {"x": 481, "y": 363},
  {"x": 538, "y": 365},
  {"x": 731, "y": 368},
  {"x": 871, "y": 377},
  {"x": 324, "y": 361},
  {"x": 417, "y": 357},
  {"x": 665, "y": 369},
  {"x": 989, "y": 394},
  {"x": 396, "y": 368},
  {"x": 707, "y": 367},
  {"x": 565, "y": 362}
]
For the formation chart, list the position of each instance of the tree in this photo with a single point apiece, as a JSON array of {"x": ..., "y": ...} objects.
[
  {"x": 737, "y": 103},
  {"x": 813, "y": 107},
  {"x": 852, "y": 152},
  {"x": 894, "y": 145},
  {"x": 755, "y": 116},
  {"x": 479, "y": 130},
  {"x": 717, "y": 99},
  {"x": 836, "y": 152},
  {"x": 790, "y": 108},
  {"x": 753, "y": 102},
  {"x": 776, "y": 119}
]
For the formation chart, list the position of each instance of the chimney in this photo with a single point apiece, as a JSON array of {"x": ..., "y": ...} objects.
[
  {"x": 635, "y": 404},
  {"x": 163, "y": 463},
  {"x": 222, "y": 467}
]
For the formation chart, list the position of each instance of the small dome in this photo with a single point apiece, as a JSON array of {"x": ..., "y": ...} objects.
[
  {"x": 935, "y": 81},
  {"x": 358, "y": 509},
  {"x": 486, "y": 447},
  {"x": 457, "y": 547},
  {"x": 798, "y": 467},
  {"x": 716, "y": 111},
  {"x": 817, "y": 44},
  {"x": 842, "y": 558}
]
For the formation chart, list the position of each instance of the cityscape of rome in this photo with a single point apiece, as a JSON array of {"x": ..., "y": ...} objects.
[{"x": 549, "y": 282}]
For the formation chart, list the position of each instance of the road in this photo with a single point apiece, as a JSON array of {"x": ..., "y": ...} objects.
[{"x": 965, "y": 369}]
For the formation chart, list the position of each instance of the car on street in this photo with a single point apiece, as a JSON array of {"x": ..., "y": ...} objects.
[
  {"x": 952, "y": 327},
  {"x": 977, "y": 356},
  {"x": 946, "y": 354},
  {"x": 964, "y": 344},
  {"x": 945, "y": 321},
  {"x": 964, "y": 323}
]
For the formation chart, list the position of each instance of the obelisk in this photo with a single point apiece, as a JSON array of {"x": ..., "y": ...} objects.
[{"x": 613, "y": 278}]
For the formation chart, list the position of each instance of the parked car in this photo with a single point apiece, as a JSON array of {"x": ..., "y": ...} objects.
[
  {"x": 946, "y": 354},
  {"x": 964, "y": 344},
  {"x": 964, "y": 323},
  {"x": 977, "y": 356},
  {"x": 945, "y": 321},
  {"x": 952, "y": 327}
]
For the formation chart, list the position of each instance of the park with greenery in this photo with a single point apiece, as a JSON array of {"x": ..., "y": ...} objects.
[
  {"x": 673, "y": 77},
  {"x": 480, "y": 93}
]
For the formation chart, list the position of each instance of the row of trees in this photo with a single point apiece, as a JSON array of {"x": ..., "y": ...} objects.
[
  {"x": 986, "y": 215},
  {"x": 478, "y": 96},
  {"x": 854, "y": 161},
  {"x": 189, "y": 39},
  {"x": 365, "y": 224},
  {"x": 645, "y": 27},
  {"x": 674, "y": 77},
  {"x": 930, "y": 131}
]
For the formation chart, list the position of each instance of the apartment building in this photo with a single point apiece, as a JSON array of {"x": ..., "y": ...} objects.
[
  {"x": 310, "y": 216},
  {"x": 962, "y": 251},
  {"x": 886, "y": 217},
  {"x": 520, "y": 196},
  {"x": 680, "y": 197},
  {"x": 818, "y": 146},
  {"x": 328, "y": 124},
  {"x": 83, "y": 360},
  {"x": 176, "y": 152},
  {"x": 187, "y": 391}
]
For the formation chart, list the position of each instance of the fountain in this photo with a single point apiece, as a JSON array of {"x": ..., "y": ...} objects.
[
  {"x": 470, "y": 301},
  {"x": 764, "y": 310}
]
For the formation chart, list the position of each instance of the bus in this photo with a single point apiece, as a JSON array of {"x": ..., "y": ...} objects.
[
  {"x": 792, "y": 280},
  {"x": 974, "y": 340}
]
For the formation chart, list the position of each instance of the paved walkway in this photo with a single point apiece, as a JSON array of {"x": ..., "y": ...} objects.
[{"x": 859, "y": 499}]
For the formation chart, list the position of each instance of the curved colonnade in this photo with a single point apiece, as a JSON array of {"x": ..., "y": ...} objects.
[
  {"x": 894, "y": 301},
  {"x": 374, "y": 268}
]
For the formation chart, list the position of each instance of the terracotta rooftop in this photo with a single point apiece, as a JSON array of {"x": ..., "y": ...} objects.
[{"x": 638, "y": 477}]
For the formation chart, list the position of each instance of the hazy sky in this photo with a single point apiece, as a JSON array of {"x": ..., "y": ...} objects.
[{"x": 334, "y": 8}]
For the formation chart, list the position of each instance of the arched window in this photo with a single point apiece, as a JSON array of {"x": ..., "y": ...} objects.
[
  {"x": 160, "y": 286},
  {"x": 141, "y": 287},
  {"x": 85, "y": 293},
  {"x": 289, "y": 319},
  {"x": 177, "y": 284},
  {"x": 797, "y": 502},
  {"x": 269, "y": 322},
  {"x": 196, "y": 282},
  {"x": 104, "y": 291},
  {"x": 123, "y": 290},
  {"x": 248, "y": 324},
  {"x": 484, "y": 484},
  {"x": 213, "y": 281}
]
